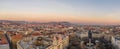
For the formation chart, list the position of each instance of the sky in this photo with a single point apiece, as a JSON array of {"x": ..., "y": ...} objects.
[{"x": 75, "y": 11}]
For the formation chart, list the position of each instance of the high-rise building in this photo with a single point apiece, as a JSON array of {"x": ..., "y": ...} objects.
[{"x": 90, "y": 45}]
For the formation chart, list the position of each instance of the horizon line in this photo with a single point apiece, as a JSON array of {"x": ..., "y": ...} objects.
[{"x": 83, "y": 23}]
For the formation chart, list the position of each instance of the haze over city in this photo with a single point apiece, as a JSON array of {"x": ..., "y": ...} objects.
[
  {"x": 75, "y": 11},
  {"x": 59, "y": 24}
]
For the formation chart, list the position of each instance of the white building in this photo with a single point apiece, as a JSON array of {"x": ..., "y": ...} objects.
[
  {"x": 116, "y": 41},
  {"x": 96, "y": 35},
  {"x": 4, "y": 46}
]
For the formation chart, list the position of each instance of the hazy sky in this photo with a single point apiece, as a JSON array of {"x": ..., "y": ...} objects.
[{"x": 77, "y": 11}]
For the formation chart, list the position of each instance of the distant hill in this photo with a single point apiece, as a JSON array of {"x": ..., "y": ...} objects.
[
  {"x": 24, "y": 22},
  {"x": 13, "y": 22}
]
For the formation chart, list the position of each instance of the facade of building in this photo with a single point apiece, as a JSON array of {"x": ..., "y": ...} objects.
[
  {"x": 116, "y": 41},
  {"x": 4, "y": 46},
  {"x": 5, "y": 42},
  {"x": 95, "y": 35}
]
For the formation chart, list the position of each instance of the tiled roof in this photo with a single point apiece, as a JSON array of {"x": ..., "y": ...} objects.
[{"x": 3, "y": 41}]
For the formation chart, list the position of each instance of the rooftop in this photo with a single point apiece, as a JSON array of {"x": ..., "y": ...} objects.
[{"x": 3, "y": 40}]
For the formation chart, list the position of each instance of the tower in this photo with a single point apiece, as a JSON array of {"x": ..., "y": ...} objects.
[
  {"x": 90, "y": 38},
  {"x": 90, "y": 34}
]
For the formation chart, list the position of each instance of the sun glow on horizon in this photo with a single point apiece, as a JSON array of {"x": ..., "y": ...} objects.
[{"x": 104, "y": 12}]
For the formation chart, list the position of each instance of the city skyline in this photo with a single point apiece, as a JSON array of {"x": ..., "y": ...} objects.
[{"x": 82, "y": 11}]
